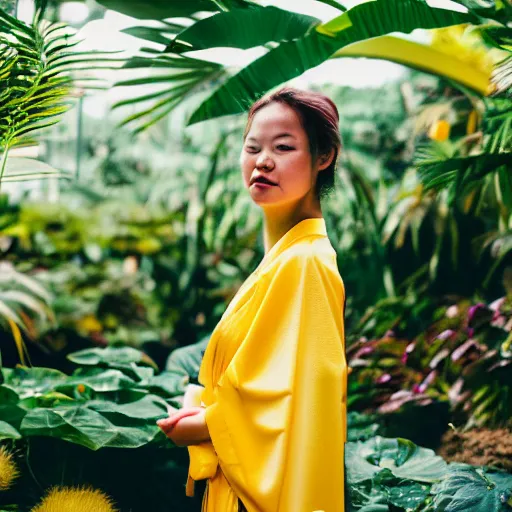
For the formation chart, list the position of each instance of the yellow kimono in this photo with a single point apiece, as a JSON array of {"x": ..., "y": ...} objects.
[{"x": 275, "y": 390}]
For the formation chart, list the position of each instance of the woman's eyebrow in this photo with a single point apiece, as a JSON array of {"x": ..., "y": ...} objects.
[{"x": 276, "y": 137}]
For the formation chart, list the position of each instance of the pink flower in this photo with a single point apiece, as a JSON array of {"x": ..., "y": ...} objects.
[
  {"x": 445, "y": 334},
  {"x": 384, "y": 378},
  {"x": 473, "y": 309}
]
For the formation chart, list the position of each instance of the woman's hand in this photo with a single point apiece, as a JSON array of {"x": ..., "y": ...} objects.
[{"x": 186, "y": 427}]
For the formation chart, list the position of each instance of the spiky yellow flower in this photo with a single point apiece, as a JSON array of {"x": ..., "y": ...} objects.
[
  {"x": 75, "y": 499},
  {"x": 8, "y": 469}
]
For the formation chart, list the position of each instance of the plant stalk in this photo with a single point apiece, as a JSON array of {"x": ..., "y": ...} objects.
[
  {"x": 220, "y": 5},
  {"x": 3, "y": 164}
]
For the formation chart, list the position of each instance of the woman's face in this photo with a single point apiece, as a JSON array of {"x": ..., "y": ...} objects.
[{"x": 277, "y": 148}]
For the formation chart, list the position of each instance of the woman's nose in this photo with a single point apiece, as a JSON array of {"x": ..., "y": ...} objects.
[{"x": 264, "y": 161}]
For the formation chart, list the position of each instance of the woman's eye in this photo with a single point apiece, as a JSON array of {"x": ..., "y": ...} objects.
[
  {"x": 251, "y": 149},
  {"x": 283, "y": 147}
]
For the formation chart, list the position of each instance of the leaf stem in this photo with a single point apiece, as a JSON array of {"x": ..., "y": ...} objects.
[
  {"x": 3, "y": 164},
  {"x": 220, "y": 5}
]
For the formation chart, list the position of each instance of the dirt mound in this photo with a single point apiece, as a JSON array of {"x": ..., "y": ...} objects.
[{"x": 480, "y": 447}]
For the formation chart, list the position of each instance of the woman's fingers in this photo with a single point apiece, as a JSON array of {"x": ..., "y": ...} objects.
[{"x": 167, "y": 424}]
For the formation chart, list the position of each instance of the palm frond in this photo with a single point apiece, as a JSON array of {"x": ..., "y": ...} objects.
[
  {"x": 502, "y": 78},
  {"x": 21, "y": 297},
  {"x": 190, "y": 77},
  {"x": 38, "y": 70}
]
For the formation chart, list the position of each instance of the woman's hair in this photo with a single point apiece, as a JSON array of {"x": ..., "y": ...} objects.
[{"x": 320, "y": 120}]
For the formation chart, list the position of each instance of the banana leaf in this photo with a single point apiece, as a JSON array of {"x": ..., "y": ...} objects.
[
  {"x": 421, "y": 57},
  {"x": 292, "y": 58}
]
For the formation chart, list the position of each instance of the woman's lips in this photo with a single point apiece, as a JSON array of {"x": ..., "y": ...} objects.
[{"x": 261, "y": 184}]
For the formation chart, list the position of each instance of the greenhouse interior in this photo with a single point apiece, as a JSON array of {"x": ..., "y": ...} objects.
[{"x": 126, "y": 231}]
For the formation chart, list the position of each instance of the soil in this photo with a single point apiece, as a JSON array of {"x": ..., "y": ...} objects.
[{"x": 479, "y": 447}]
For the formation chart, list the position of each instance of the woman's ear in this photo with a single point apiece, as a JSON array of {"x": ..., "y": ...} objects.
[{"x": 325, "y": 160}]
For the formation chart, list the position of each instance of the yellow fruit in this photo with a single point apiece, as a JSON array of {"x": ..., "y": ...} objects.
[
  {"x": 440, "y": 130},
  {"x": 75, "y": 499},
  {"x": 8, "y": 470}
]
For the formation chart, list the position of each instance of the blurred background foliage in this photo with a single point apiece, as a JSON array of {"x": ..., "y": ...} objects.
[{"x": 112, "y": 279}]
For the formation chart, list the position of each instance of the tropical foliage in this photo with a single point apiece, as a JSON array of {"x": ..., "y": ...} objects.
[
  {"x": 143, "y": 252},
  {"x": 111, "y": 402},
  {"x": 38, "y": 71},
  {"x": 297, "y": 42}
]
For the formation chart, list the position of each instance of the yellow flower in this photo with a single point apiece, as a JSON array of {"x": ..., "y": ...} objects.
[
  {"x": 472, "y": 122},
  {"x": 8, "y": 470},
  {"x": 440, "y": 130},
  {"x": 89, "y": 323},
  {"x": 75, "y": 499}
]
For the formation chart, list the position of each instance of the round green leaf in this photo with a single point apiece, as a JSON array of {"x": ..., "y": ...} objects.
[
  {"x": 7, "y": 431},
  {"x": 469, "y": 489},
  {"x": 401, "y": 457}
]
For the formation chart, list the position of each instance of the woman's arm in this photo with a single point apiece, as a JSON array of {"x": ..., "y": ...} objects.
[{"x": 186, "y": 427}]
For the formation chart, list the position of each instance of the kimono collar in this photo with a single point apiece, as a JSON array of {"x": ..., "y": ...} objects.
[{"x": 305, "y": 228}]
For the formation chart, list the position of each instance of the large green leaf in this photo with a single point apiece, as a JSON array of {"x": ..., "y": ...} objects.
[
  {"x": 147, "y": 408},
  {"x": 399, "y": 456},
  {"x": 246, "y": 28},
  {"x": 167, "y": 384},
  {"x": 188, "y": 359},
  {"x": 421, "y": 57},
  {"x": 86, "y": 427},
  {"x": 104, "y": 382},
  {"x": 7, "y": 431},
  {"x": 107, "y": 355},
  {"x": 31, "y": 382},
  {"x": 408, "y": 495},
  {"x": 469, "y": 489},
  {"x": 292, "y": 58},
  {"x": 161, "y": 9}
]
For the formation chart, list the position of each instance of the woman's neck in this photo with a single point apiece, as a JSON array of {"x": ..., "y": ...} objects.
[{"x": 279, "y": 220}]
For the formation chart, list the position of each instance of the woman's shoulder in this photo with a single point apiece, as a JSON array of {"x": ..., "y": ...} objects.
[{"x": 312, "y": 254}]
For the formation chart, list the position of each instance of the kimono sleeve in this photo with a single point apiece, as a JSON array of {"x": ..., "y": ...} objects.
[{"x": 278, "y": 423}]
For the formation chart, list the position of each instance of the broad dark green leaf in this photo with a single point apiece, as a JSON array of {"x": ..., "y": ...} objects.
[
  {"x": 104, "y": 382},
  {"x": 292, "y": 58},
  {"x": 408, "y": 495},
  {"x": 147, "y": 408},
  {"x": 246, "y": 28},
  {"x": 361, "y": 426},
  {"x": 7, "y": 431},
  {"x": 152, "y": 34},
  {"x": 28, "y": 382},
  {"x": 188, "y": 359},
  {"x": 86, "y": 427},
  {"x": 469, "y": 489},
  {"x": 167, "y": 384},
  {"x": 401, "y": 457},
  {"x": 107, "y": 355}
]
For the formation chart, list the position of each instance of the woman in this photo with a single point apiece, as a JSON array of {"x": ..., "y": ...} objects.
[{"x": 270, "y": 430}]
